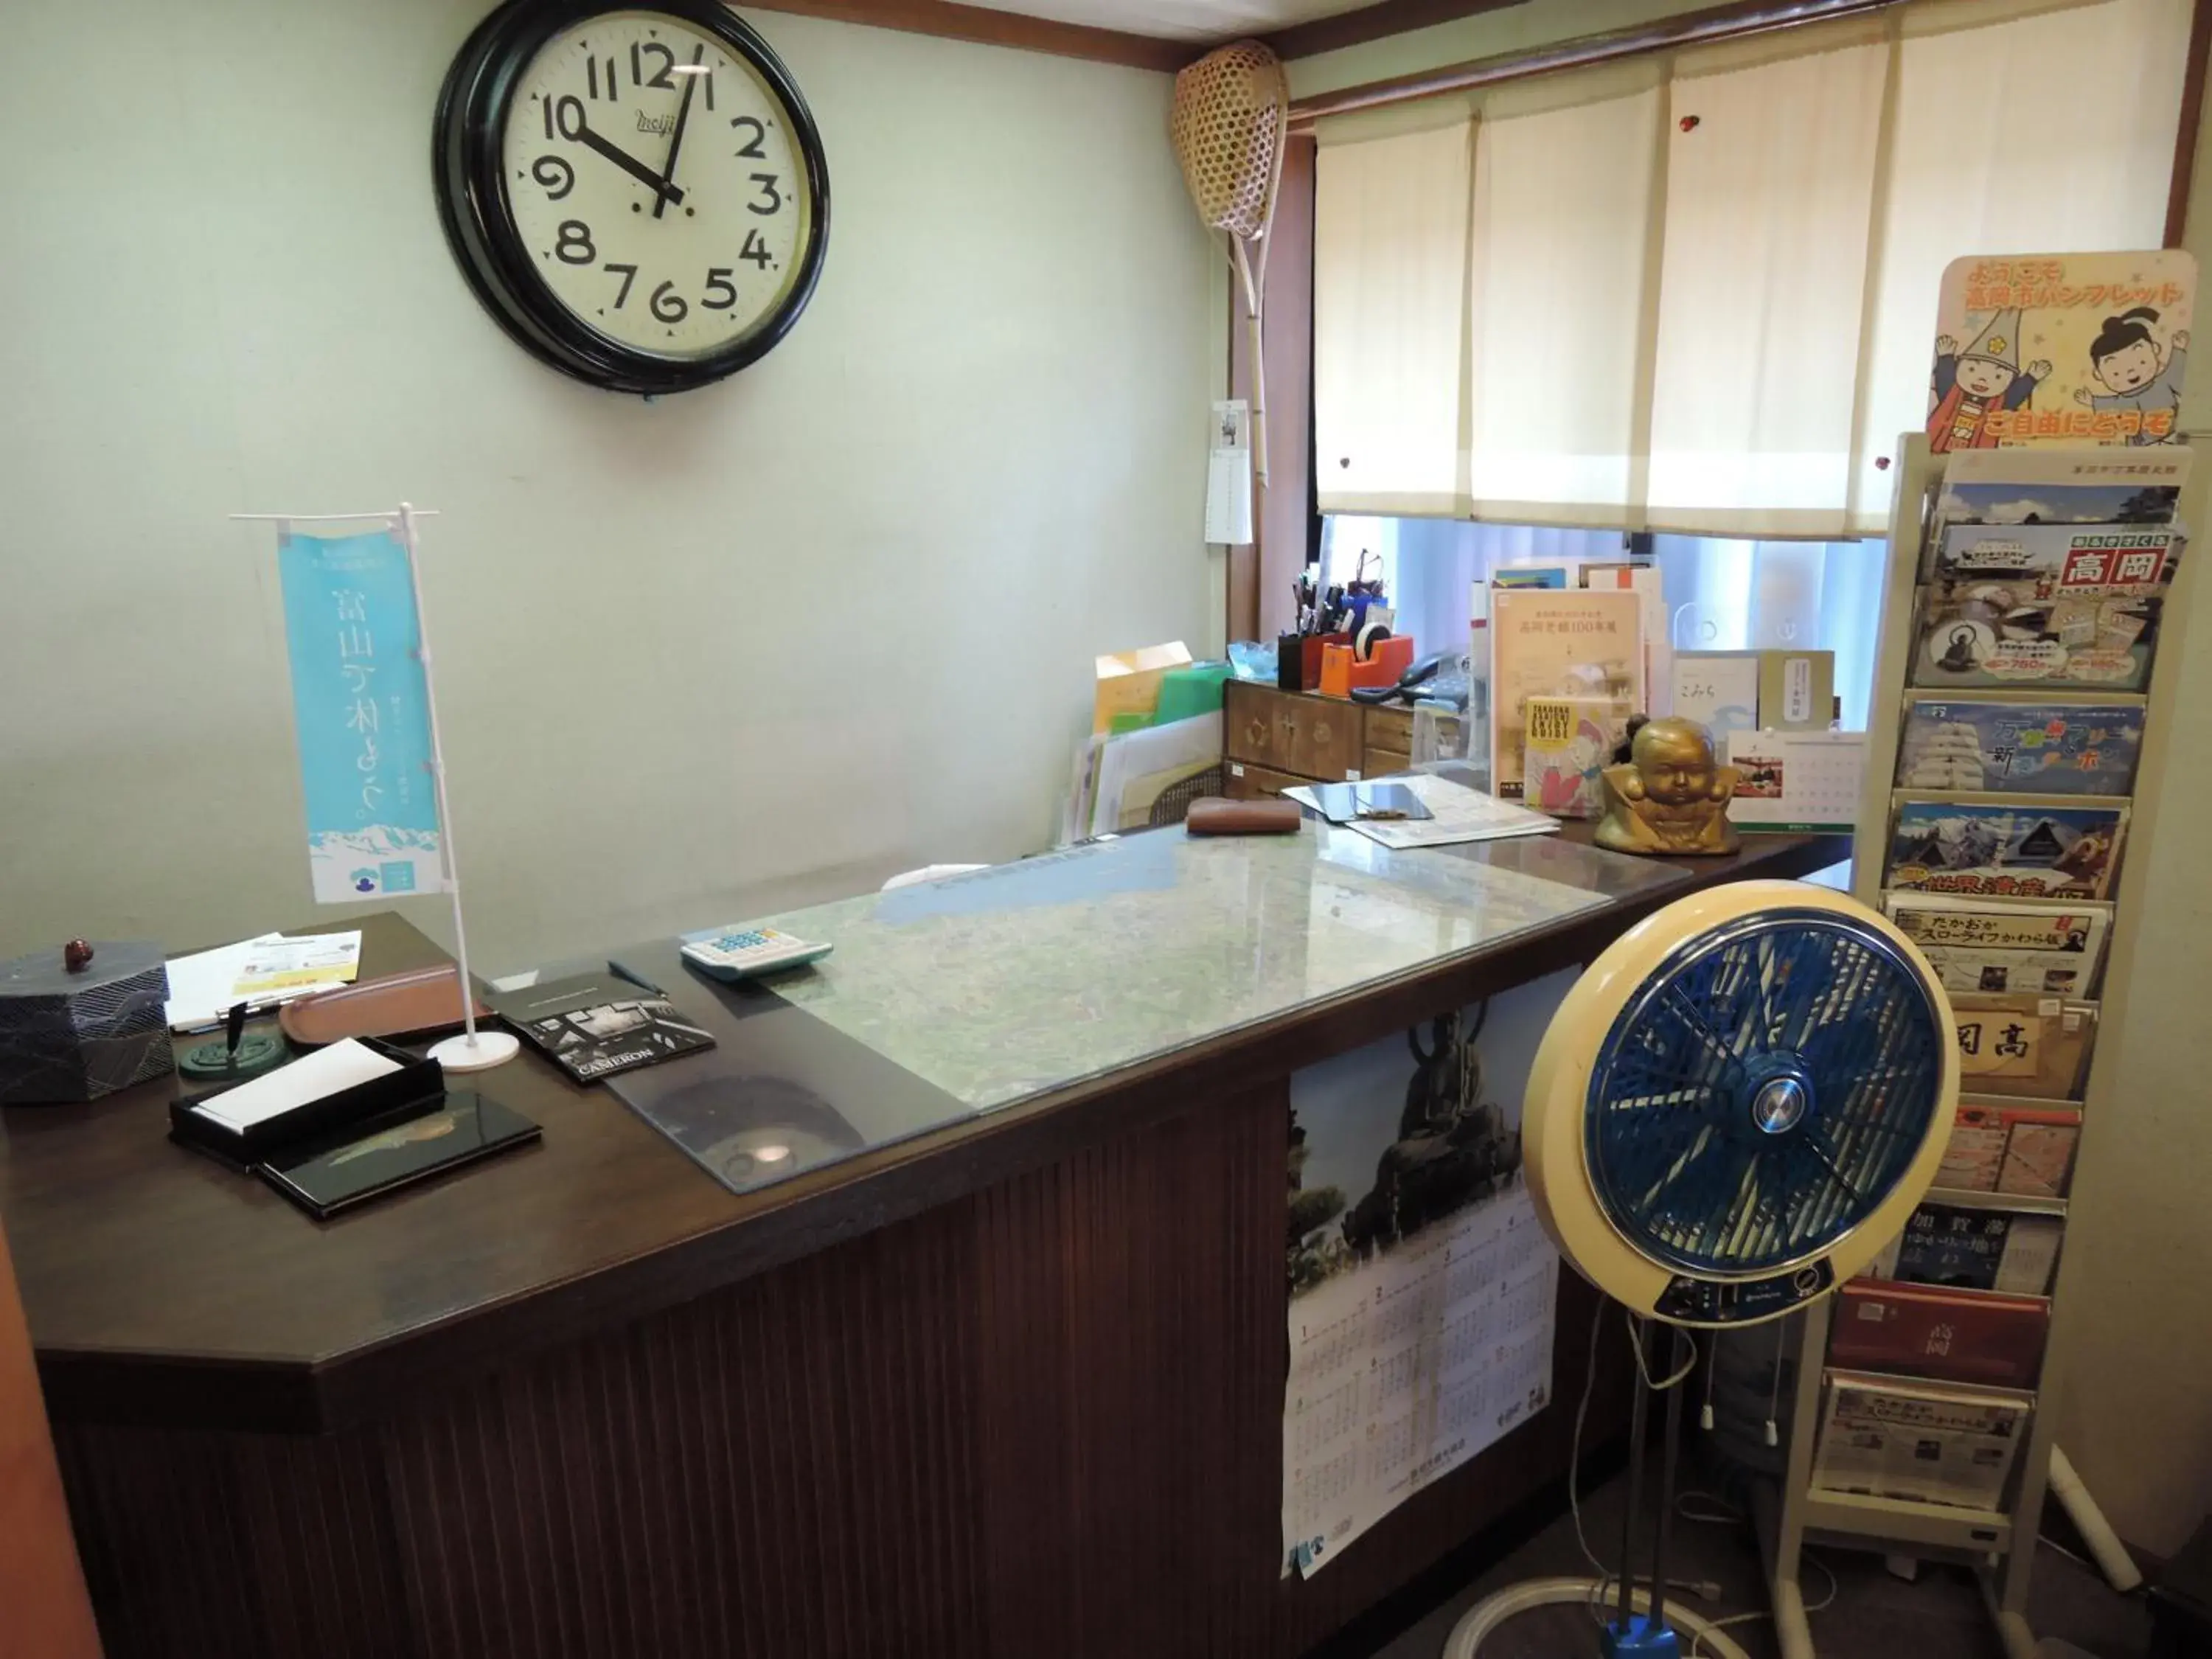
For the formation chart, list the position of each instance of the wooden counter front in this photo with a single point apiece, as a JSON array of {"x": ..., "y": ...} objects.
[{"x": 1014, "y": 1388}]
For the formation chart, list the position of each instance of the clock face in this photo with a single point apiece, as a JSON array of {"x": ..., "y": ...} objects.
[
  {"x": 638, "y": 197},
  {"x": 654, "y": 183}
]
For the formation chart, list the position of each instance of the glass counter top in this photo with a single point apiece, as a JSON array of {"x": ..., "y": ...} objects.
[{"x": 1010, "y": 983}]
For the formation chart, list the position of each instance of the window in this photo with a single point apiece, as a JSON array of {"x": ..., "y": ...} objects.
[
  {"x": 1696, "y": 294},
  {"x": 1722, "y": 594}
]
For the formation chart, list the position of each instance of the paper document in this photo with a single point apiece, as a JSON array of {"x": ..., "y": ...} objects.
[
  {"x": 263, "y": 971},
  {"x": 325, "y": 1072},
  {"x": 1459, "y": 814},
  {"x": 1229, "y": 475},
  {"x": 1135, "y": 768}
]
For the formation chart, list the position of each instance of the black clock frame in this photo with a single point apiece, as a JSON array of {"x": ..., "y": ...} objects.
[{"x": 467, "y": 143}]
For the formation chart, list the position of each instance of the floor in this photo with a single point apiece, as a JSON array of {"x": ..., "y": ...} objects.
[{"x": 1874, "y": 1615}]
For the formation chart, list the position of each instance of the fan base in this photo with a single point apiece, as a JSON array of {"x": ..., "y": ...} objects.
[{"x": 1641, "y": 1640}]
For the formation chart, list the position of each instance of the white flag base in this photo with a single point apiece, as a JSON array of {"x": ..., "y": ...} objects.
[{"x": 478, "y": 1052}]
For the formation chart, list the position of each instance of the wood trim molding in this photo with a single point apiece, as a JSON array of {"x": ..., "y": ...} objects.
[
  {"x": 1728, "y": 22},
  {"x": 2193, "y": 118},
  {"x": 984, "y": 25},
  {"x": 1375, "y": 23}
]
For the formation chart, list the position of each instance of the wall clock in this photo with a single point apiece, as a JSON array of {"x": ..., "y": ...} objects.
[{"x": 638, "y": 197}]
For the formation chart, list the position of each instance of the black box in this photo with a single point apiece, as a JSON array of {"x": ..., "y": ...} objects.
[
  {"x": 71, "y": 1036},
  {"x": 415, "y": 1086}
]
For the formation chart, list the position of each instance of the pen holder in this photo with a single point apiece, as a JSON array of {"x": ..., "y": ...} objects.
[
  {"x": 1311, "y": 648},
  {"x": 1335, "y": 671}
]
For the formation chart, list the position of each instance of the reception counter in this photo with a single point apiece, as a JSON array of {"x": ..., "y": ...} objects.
[{"x": 999, "y": 1369}]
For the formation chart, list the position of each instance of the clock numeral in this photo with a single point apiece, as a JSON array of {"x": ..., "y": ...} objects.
[
  {"x": 556, "y": 175},
  {"x": 756, "y": 250},
  {"x": 565, "y": 117},
  {"x": 629, "y": 276},
  {"x": 707, "y": 78},
  {"x": 614, "y": 86},
  {"x": 574, "y": 248},
  {"x": 668, "y": 304},
  {"x": 722, "y": 293},
  {"x": 769, "y": 193},
  {"x": 752, "y": 150},
  {"x": 659, "y": 80}
]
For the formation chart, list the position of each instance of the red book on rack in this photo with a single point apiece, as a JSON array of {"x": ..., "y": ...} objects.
[{"x": 1933, "y": 1330}]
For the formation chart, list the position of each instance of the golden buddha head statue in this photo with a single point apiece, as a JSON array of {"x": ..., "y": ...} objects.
[{"x": 1671, "y": 795}]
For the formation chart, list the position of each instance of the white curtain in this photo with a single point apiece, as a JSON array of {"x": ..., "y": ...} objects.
[
  {"x": 1968, "y": 174},
  {"x": 1718, "y": 322},
  {"x": 1558, "y": 294},
  {"x": 1390, "y": 216},
  {"x": 1770, "y": 190}
]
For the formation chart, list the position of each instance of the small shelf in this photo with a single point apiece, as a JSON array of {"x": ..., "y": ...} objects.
[
  {"x": 1908, "y": 1520},
  {"x": 2007, "y": 1103},
  {"x": 2026, "y": 692},
  {"x": 2019, "y": 1203},
  {"x": 2021, "y": 800}
]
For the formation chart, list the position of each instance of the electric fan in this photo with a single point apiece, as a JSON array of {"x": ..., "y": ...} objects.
[{"x": 1736, "y": 1106}]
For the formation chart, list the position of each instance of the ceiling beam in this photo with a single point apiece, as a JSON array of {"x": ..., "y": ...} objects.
[
  {"x": 983, "y": 26},
  {"x": 1375, "y": 23},
  {"x": 1730, "y": 21}
]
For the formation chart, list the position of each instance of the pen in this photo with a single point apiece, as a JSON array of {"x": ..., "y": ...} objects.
[{"x": 633, "y": 977}]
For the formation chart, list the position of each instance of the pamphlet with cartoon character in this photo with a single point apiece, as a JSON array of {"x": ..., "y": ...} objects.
[{"x": 2061, "y": 348}]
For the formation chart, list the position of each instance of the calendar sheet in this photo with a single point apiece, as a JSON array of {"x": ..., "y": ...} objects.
[
  {"x": 1422, "y": 1288},
  {"x": 1797, "y": 781}
]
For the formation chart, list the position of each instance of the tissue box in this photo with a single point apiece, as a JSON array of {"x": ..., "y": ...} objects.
[{"x": 70, "y": 1036}]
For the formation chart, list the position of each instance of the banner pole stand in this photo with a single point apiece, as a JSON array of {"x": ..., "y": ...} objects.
[{"x": 474, "y": 1050}]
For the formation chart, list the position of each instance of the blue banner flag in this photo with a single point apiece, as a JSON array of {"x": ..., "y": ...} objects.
[{"x": 362, "y": 715}]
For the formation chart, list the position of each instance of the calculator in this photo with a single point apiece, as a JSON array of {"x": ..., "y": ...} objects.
[{"x": 735, "y": 953}]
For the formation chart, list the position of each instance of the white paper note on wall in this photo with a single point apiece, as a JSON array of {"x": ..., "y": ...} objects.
[{"x": 1229, "y": 475}]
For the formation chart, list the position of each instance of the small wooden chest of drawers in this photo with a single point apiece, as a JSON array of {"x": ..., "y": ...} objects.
[{"x": 1272, "y": 738}]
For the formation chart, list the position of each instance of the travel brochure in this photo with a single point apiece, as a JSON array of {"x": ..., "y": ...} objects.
[
  {"x": 2020, "y": 748},
  {"x": 1987, "y": 944},
  {"x": 2027, "y": 851}
]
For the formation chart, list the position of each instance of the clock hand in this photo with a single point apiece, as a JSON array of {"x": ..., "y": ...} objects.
[
  {"x": 667, "y": 182},
  {"x": 663, "y": 190}
]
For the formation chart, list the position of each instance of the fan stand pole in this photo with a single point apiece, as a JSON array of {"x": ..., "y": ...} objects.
[
  {"x": 1639, "y": 1419},
  {"x": 1648, "y": 1637},
  {"x": 1670, "y": 1450}
]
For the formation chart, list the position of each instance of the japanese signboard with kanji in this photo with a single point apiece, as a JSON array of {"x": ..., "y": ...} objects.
[
  {"x": 362, "y": 716},
  {"x": 2061, "y": 348}
]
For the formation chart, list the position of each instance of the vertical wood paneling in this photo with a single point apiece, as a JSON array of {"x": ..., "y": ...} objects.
[
  {"x": 1043, "y": 1420},
  {"x": 1132, "y": 1372}
]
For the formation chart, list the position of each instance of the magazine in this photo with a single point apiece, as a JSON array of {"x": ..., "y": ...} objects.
[{"x": 2020, "y": 748}]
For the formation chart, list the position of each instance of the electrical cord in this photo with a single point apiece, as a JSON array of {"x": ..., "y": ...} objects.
[
  {"x": 1706, "y": 1636},
  {"x": 1637, "y": 1344}
]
